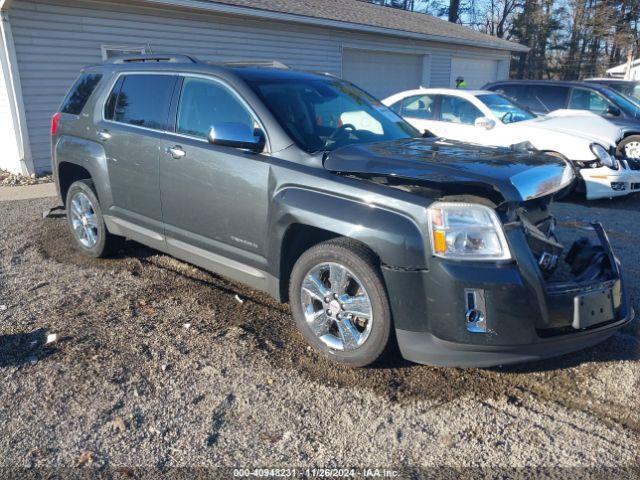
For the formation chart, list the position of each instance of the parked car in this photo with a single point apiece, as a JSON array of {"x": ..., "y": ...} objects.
[
  {"x": 544, "y": 96},
  {"x": 629, "y": 88},
  {"x": 258, "y": 174},
  {"x": 488, "y": 118}
]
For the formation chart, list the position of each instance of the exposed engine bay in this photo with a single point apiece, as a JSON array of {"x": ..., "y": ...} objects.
[{"x": 571, "y": 252}]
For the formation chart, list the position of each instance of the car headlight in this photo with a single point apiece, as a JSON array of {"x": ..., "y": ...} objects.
[
  {"x": 466, "y": 231},
  {"x": 605, "y": 157}
]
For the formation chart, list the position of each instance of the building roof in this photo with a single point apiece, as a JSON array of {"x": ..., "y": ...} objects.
[
  {"x": 622, "y": 69},
  {"x": 359, "y": 15}
]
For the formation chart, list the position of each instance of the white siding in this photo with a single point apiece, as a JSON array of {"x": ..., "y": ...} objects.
[
  {"x": 9, "y": 152},
  {"x": 54, "y": 39}
]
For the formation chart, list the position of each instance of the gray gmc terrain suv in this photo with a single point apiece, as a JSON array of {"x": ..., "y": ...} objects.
[{"x": 305, "y": 187}]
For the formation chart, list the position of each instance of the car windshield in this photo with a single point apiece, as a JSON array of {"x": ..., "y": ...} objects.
[
  {"x": 630, "y": 90},
  {"x": 324, "y": 114},
  {"x": 623, "y": 103},
  {"x": 505, "y": 109}
]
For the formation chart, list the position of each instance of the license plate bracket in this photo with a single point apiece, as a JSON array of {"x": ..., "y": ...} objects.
[{"x": 593, "y": 308}]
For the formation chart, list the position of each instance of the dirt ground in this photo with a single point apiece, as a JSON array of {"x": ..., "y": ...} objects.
[{"x": 157, "y": 364}]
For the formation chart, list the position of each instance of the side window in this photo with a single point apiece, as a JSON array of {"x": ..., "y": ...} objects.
[
  {"x": 206, "y": 103},
  {"x": 142, "y": 100},
  {"x": 547, "y": 98},
  {"x": 582, "y": 99},
  {"x": 80, "y": 92},
  {"x": 458, "y": 110},
  {"x": 418, "y": 106}
]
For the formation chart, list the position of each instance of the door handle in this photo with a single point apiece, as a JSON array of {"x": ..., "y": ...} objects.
[
  {"x": 104, "y": 135},
  {"x": 176, "y": 152}
]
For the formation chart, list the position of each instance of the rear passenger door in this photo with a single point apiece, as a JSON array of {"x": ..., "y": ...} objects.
[
  {"x": 131, "y": 131},
  {"x": 214, "y": 198},
  {"x": 456, "y": 119}
]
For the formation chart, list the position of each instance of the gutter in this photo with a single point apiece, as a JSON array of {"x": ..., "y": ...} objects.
[
  {"x": 11, "y": 76},
  {"x": 323, "y": 22}
]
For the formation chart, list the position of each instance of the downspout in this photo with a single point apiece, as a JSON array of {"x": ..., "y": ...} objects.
[{"x": 9, "y": 70}]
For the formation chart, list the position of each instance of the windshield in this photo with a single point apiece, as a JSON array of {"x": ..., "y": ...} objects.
[
  {"x": 324, "y": 114},
  {"x": 505, "y": 109},
  {"x": 623, "y": 103},
  {"x": 631, "y": 90}
]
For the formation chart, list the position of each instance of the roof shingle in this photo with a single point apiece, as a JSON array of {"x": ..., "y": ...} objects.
[{"x": 363, "y": 13}]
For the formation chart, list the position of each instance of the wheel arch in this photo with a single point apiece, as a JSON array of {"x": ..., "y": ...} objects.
[
  {"x": 75, "y": 159},
  {"x": 306, "y": 218}
]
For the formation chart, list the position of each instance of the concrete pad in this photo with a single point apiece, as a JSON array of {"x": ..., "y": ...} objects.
[{"x": 27, "y": 192}]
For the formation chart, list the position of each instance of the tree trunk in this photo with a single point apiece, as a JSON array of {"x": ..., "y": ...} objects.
[{"x": 454, "y": 11}]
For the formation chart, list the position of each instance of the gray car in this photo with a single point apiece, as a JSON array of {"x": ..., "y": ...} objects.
[{"x": 305, "y": 187}]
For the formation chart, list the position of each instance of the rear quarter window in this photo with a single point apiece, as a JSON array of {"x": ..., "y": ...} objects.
[{"x": 80, "y": 93}]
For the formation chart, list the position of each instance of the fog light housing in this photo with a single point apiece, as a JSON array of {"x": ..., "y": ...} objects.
[
  {"x": 618, "y": 186},
  {"x": 475, "y": 316}
]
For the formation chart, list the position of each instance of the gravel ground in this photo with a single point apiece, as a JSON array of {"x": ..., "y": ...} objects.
[{"x": 158, "y": 364}]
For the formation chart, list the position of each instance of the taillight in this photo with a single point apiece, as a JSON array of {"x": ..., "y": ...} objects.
[{"x": 54, "y": 123}]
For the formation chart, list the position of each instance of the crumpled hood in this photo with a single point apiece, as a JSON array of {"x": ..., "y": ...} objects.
[
  {"x": 515, "y": 175},
  {"x": 583, "y": 124}
]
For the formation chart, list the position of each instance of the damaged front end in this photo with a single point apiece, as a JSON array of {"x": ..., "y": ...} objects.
[
  {"x": 552, "y": 288},
  {"x": 578, "y": 270}
]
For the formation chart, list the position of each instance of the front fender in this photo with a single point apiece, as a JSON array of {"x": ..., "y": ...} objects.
[
  {"x": 88, "y": 155},
  {"x": 394, "y": 237}
]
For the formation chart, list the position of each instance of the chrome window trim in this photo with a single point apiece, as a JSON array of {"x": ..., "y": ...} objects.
[{"x": 209, "y": 77}]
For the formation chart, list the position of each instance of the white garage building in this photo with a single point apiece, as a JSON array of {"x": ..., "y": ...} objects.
[{"x": 44, "y": 43}]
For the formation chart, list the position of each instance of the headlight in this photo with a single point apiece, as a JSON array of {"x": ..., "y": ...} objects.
[
  {"x": 605, "y": 157},
  {"x": 466, "y": 231}
]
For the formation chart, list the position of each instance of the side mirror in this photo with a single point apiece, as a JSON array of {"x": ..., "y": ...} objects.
[
  {"x": 614, "y": 111},
  {"x": 237, "y": 135},
  {"x": 484, "y": 122}
]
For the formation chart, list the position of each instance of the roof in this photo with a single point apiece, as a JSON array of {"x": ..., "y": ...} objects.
[
  {"x": 622, "y": 69},
  {"x": 557, "y": 83},
  {"x": 460, "y": 92},
  {"x": 357, "y": 15}
]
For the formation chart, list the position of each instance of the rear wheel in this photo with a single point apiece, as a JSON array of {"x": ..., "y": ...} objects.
[
  {"x": 86, "y": 223},
  {"x": 339, "y": 302},
  {"x": 629, "y": 147}
]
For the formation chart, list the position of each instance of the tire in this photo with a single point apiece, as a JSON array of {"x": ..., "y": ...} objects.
[
  {"x": 357, "y": 341},
  {"x": 629, "y": 147},
  {"x": 85, "y": 215}
]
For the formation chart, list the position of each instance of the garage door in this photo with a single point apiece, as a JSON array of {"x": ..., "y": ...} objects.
[
  {"x": 475, "y": 72},
  {"x": 381, "y": 73}
]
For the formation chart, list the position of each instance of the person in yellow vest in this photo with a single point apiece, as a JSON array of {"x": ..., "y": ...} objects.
[{"x": 460, "y": 83}]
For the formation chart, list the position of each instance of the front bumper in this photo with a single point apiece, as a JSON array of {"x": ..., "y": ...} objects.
[
  {"x": 526, "y": 318},
  {"x": 604, "y": 182}
]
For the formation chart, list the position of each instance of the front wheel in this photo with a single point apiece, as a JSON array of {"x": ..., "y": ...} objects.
[
  {"x": 629, "y": 147},
  {"x": 339, "y": 302}
]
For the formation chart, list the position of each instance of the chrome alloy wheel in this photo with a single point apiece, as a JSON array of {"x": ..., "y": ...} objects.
[
  {"x": 336, "y": 307},
  {"x": 632, "y": 150},
  {"x": 83, "y": 220}
]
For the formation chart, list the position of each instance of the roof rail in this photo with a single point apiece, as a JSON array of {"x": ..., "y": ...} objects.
[
  {"x": 257, "y": 63},
  {"x": 151, "y": 58}
]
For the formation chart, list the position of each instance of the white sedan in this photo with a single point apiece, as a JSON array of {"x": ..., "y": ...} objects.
[{"x": 488, "y": 118}]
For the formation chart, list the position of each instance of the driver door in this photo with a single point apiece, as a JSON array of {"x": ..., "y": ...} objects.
[{"x": 214, "y": 198}]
